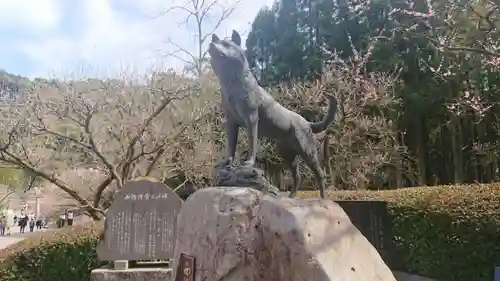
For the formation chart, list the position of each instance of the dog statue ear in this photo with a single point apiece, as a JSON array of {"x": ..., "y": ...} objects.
[
  {"x": 215, "y": 38},
  {"x": 236, "y": 38}
]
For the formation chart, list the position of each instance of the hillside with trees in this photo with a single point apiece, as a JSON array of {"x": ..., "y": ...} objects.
[{"x": 417, "y": 84}]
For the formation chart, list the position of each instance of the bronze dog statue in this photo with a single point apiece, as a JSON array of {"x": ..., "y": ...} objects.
[{"x": 247, "y": 104}]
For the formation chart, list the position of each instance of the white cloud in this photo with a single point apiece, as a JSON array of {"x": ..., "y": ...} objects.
[
  {"x": 104, "y": 36},
  {"x": 35, "y": 16}
]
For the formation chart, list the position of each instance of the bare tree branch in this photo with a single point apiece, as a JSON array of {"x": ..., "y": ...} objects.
[
  {"x": 6, "y": 196},
  {"x": 114, "y": 129},
  {"x": 100, "y": 190},
  {"x": 200, "y": 10}
]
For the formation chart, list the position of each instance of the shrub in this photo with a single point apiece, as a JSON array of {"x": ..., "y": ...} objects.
[
  {"x": 66, "y": 254},
  {"x": 451, "y": 233}
]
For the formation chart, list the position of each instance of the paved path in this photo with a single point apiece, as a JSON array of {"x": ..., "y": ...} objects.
[
  {"x": 6, "y": 241},
  {"x": 15, "y": 236}
]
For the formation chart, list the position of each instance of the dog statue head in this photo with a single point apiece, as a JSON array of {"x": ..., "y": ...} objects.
[{"x": 227, "y": 57}]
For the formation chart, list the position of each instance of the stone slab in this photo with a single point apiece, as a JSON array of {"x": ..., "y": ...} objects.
[
  {"x": 140, "y": 223},
  {"x": 132, "y": 274},
  {"x": 372, "y": 219},
  {"x": 120, "y": 265}
]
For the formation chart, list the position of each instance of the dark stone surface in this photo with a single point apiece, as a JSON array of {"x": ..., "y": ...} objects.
[
  {"x": 244, "y": 176},
  {"x": 186, "y": 191},
  {"x": 372, "y": 220},
  {"x": 141, "y": 223}
]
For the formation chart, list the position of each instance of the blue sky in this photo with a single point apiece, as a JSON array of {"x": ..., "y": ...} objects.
[{"x": 96, "y": 38}]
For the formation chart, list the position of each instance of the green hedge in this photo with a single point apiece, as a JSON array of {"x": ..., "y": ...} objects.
[
  {"x": 66, "y": 254},
  {"x": 451, "y": 233}
]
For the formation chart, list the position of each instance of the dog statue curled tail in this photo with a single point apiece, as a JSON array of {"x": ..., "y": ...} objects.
[{"x": 248, "y": 105}]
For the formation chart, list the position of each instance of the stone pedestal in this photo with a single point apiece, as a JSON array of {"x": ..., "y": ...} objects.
[
  {"x": 237, "y": 233},
  {"x": 132, "y": 274}
]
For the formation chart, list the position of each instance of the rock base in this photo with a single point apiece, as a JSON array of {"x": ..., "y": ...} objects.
[
  {"x": 132, "y": 274},
  {"x": 243, "y": 234}
]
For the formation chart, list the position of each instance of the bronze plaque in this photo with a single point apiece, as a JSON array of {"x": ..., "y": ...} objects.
[
  {"x": 186, "y": 268},
  {"x": 141, "y": 223},
  {"x": 371, "y": 218}
]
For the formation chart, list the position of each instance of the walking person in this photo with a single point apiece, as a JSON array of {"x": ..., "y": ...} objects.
[
  {"x": 39, "y": 223},
  {"x": 20, "y": 218},
  {"x": 32, "y": 225},
  {"x": 62, "y": 220},
  {"x": 3, "y": 225},
  {"x": 70, "y": 218},
  {"x": 22, "y": 223}
]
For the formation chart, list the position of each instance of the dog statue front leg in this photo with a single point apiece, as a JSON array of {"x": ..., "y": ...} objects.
[
  {"x": 252, "y": 128},
  {"x": 232, "y": 140}
]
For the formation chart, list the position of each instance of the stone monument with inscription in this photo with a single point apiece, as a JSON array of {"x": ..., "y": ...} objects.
[{"x": 141, "y": 225}]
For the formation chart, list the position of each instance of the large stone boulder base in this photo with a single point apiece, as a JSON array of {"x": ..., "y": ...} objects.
[{"x": 241, "y": 234}]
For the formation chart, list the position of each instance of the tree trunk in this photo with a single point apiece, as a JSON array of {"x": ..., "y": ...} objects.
[
  {"x": 455, "y": 130},
  {"x": 399, "y": 171},
  {"x": 421, "y": 153},
  {"x": 447, "y": 159},
  {"x": 475, "y": 163},
  {"x": 398, "y": 165}
]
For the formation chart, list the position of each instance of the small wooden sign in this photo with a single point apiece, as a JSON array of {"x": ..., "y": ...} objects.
[{"x": 186, "y": 268}]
